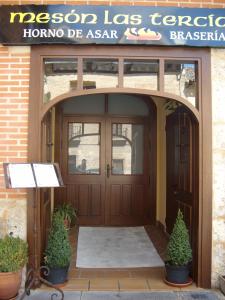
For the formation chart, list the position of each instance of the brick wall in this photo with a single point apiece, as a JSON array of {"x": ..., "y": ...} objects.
[
  {"x": 183, "y": 3},
  {"x": 14, "y": 96}
]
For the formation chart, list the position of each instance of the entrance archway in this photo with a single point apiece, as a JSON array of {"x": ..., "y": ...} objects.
[{"x": 38, "y": 110}]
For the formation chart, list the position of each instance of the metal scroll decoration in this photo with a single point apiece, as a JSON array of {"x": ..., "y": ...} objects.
[{"x": 32, "y": 276}]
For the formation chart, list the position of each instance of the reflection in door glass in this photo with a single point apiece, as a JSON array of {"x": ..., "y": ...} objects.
[
  {"x": 181, "y": 79},
  {"x": 100, "y": 73},
  {"x": 83, "y": 148},
  {"x": 141, "y": 74},
  {"x": 127, "y": 149},
  {"x": 60, "y": 76}
]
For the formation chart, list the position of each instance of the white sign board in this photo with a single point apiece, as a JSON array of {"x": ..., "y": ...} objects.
[
  {"x": 46, "y": 175},
  {"x": 32, "y": 175},
  {"x": 21, "y": 176}
]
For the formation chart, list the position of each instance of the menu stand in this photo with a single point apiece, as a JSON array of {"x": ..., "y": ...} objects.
[{"x": 34, "y": 176}]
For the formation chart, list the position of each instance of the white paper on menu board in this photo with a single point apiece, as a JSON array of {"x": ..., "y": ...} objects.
[
  {"x": 45, "y": 175},
  {"x": 21, "y": 176}
]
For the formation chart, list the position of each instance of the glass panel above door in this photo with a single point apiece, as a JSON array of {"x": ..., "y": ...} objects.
[
  {"x": 60, "y": 76},
  {"x": 87, "y": 104},
  {"x": 84, "y": 148},
  {"x": 142, "y": 74},
  {"x": 127, "y": 105},
  {"x": 100, "y": 73},
  {"x": 127, "y": 149},
  {"x": 181, "y": 79}
]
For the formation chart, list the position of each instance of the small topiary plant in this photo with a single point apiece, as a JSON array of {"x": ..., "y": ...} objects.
[
  {"x": 67, "y": 212},
  {"x": 13, "y": 254},
  {"x": 58, "y": 250},
  {"x": 179, "y": 251}
]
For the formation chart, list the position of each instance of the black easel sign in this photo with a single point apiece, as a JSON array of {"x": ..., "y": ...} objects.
[{"x": 32, "y": 175}]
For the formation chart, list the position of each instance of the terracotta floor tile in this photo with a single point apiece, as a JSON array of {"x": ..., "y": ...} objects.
[
  {"x": 191, "y": 287},
  {"x": 77, "y": 285},
  {"x": 91, "y": 274},
  {"x": 133, "y": 284},
  {"x": 74, "y": 273},
  {"x": 157, "y": 284},
  {"x": 140, "y": 274},
  {"x": 117, "y": 274},
  {"x": 148, "y": 273},
  {"x": 99, "y": 284}
]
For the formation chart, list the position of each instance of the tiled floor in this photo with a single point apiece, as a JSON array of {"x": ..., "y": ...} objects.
[{"x": 129, "y": 279}]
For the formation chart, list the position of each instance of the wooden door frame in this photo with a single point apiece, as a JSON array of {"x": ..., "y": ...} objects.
[{"x": 204, "y": 116}]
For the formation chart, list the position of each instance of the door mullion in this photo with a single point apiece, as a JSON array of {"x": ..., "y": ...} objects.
[{"x": 108, "y": 155}]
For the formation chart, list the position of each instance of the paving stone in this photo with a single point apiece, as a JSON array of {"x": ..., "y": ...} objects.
[
  {"x": 192, "y": 295},
  {"x": 46, "y": 295},
  {"x": 129, "y": 296},
  {"x": 198, "y": 296}
]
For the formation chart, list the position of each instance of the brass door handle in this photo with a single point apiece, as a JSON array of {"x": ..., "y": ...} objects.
[{"x": 108, "y": 170}]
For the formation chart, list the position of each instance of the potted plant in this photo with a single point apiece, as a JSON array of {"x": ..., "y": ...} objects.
[
  {"x": 68, "y": 214},
  {"x": 179, "y": 253},
  {"x": 13, "y": 257},
  {"x": 58, "y": 251}
]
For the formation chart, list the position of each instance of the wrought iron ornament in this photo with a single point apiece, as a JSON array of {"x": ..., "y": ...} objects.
[{"x": 34, "y": 276}]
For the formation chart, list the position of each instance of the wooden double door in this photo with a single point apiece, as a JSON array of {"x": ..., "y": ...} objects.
[{"x": 105, "y": 168}]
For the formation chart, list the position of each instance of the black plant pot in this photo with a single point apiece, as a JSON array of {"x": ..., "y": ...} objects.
[
  {"x": 58, "y": 275},
  {"x": 177, "y": 274}
]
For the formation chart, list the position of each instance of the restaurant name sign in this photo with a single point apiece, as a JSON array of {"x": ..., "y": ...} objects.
[{"x": 138, "y": 25}]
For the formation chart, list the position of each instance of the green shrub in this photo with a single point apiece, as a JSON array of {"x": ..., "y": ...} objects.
[
  {"x": 13, "y": 254},
  {"x": 179, "y": 251},
  {"x": 58, "y": 250},
  {"x": 67, "y": 212}
]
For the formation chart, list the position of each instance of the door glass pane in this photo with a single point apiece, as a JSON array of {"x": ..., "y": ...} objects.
[
  {"x": 181, "y": 79},
  {"x": 60, "y": 76},
  {"x": 84, "y": 148},
  {"x": 127, "y": 149},
  {"x": 142, "y": 74},
  {"x": 100, "y": 73}
]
